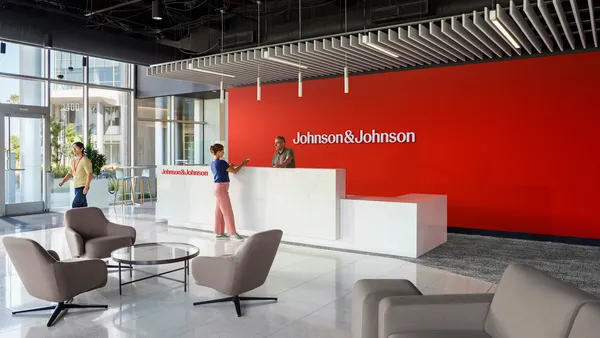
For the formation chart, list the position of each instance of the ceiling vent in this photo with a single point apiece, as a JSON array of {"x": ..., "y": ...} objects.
[{"x": 405, "y": 10}]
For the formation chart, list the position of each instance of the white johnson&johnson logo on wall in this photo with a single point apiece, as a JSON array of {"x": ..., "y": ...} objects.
[{"x": 349, "y": 137}]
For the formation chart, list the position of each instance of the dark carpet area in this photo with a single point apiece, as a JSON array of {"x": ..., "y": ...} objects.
[
  {"x": 15, "y": 224},
  {"x": 486, "y": 258}
]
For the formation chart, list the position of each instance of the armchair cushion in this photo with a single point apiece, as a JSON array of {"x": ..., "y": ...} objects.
[
  {"x": 215, "y": 272},
  {"x": 102, "y": 247},
  {"x": 243, "y": 271},
  {"x": 433, "y": 313},
  {"x": 441, "y": 334},
  {"x": 49, "y": 279},
  {"x": 76, "y": 276},
  {"x": 121, "y": 230},
  {"x": 87, "y": 228},
  {"x": 88, "y": 222},
  {"x": 530, "y": 303}
]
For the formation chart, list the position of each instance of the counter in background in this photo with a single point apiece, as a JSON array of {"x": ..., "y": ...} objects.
[
  {"x": 309, "y": 206},
  {"x": 408, "y": 225},
  {"x": 300, "y": 202}
]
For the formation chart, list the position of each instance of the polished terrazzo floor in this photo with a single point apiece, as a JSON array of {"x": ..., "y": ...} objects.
[{"x": 313, "y": 286}]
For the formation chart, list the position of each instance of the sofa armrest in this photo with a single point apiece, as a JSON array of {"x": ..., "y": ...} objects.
[
  {"x": 433, "y": 312},
  {"x": 54, "y": 255},
  {"x": 121, "y": 230},
  {"x": 74, "y": 242}
]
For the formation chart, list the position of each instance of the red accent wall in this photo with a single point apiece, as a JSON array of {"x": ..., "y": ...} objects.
[{"x": 515, "y": 145}]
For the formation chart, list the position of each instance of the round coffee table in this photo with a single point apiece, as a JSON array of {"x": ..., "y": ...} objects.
[{"x": 156, "y": 254}]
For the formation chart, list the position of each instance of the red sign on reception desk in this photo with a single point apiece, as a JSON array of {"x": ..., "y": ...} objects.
[{"x": 186, "y": 172}]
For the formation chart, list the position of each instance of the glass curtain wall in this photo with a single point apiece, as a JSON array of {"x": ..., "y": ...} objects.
[
  {"x": 169, "y": 130},
  {"x": 89, "y": 100}
]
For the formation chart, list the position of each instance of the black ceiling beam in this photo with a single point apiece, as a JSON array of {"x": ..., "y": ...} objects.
[
  {"x": 112, "y": 7},
  {"x": 31, "y": 26}
]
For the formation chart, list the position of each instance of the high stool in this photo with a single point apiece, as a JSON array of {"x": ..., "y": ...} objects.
[
  {"x": 121, "y": 179},
  {"x": 143, "y": 178}
]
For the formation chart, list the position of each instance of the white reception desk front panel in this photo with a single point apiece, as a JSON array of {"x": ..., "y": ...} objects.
[
  {"x": 308, "y": 205},
  {"x": 300, "y": 202}
]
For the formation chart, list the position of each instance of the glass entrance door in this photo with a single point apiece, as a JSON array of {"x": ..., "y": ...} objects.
[{"x": 24, "y": 179}]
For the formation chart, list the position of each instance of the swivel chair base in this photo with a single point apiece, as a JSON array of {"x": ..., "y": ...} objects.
[
  {"x": 236, "y": 301},
  {"x": 58, "y": 308}
]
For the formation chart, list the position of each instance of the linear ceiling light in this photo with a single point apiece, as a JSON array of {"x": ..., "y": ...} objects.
[
  {"x": 365, "y": 40},
  {"x": 156, "y": 10},
  {"x": 346, "y": 84},
  {"x": 496, "y": 21},
  {"x": 285, "y": 62},
  {"x": 190, "y": 67}
]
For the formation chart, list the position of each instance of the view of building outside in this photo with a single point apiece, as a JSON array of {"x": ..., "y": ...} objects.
[
  {"x": 170, "y": 130},
  {"x": 75, "y": 81}
]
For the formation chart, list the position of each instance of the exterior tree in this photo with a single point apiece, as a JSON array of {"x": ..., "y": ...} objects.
[
  {"x": 14, "y": 98},
  {"x": 61, "y": 150},
  {"x": 15, "y": 147}
]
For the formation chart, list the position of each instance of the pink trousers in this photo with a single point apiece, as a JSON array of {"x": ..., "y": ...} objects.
[{"x": 223, "y": 210}]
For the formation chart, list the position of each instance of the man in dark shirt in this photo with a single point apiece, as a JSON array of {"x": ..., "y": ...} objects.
[{"x": 284, "y": 157}]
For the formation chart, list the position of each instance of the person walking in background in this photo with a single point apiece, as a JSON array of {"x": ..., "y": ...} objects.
[
  {"x": 223, "y": 210},
  {"x": 284, "y": 157},
  {"x": 81, "y": 171}
]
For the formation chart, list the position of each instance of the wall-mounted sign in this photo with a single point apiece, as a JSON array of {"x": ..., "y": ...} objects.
[
  {"x": 186, "y": 172},
  {"x": 73, "y": 106},
  {"x": 350, "y": 137}
]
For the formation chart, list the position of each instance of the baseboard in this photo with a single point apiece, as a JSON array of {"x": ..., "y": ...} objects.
[{"x": 526, "y": 236}]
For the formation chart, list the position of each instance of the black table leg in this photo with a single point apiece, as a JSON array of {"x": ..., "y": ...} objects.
[
  {"x": 120, "y": 292},
  {"x": 185, "y": 277}
]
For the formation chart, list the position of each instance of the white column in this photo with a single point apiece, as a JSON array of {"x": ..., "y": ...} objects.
[
  {"x": 212, "y": 128},
  {"x": 199, "y": 143},
  {"x": 100, "y": 128},
  {"x": 123, "y": 115},
  {"x": 30, "y": 131},
  {"x": 159, "y": 146},
  {"x": 31, "y": 159}
]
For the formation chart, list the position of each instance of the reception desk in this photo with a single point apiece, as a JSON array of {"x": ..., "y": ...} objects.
[{"x": 310, "y": 207}]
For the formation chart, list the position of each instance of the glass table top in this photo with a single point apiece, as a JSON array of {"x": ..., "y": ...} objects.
[{"x": 155, "y": 253}]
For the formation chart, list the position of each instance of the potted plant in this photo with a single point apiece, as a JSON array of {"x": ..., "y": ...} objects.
[{"x": 98, "y": 160}]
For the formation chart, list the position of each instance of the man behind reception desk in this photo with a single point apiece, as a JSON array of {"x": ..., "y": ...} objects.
[{"x": 284, "y": 157}]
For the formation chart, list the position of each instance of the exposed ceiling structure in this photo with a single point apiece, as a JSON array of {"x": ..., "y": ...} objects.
[
  {"x": 526, "y": 28},
  {"x": 194, "y": 26}
]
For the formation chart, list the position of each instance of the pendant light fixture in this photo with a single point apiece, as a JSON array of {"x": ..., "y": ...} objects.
[
  {"x": 258, "y": 89},
  {"x": 156, "y": 10},
  {"x": 299, "y": 38},
  {"x": 346, "y": 82},
  {"x": 222, "y": 89}
]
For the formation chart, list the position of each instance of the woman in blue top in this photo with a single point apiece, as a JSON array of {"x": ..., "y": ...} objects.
[{"x": 223, "y": 211}]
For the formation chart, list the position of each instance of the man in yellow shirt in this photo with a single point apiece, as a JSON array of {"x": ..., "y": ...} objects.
[{"x": 81, "y": 171}]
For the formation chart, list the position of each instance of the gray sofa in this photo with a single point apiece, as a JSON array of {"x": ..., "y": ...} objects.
[{"x": 528, "y": 303}]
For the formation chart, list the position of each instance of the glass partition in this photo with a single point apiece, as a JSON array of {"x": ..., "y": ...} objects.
[
  {"x": 109, "y": 73},
  {"x": 22, "y": 91},
  {"x": 73, "y": 94},
  {"x": 67, "y": 66},
  {"x": 23, "y": 60},
  {"x": 106, "y": 130}
]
